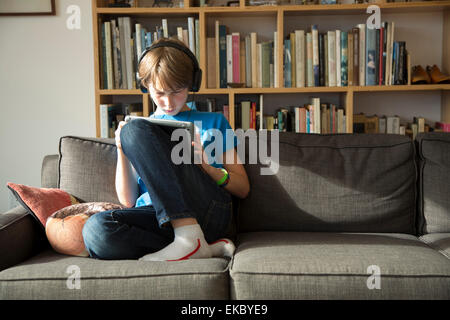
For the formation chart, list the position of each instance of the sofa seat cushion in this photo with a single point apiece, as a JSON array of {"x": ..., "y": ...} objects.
[
  {"x": 302, "y": 265},
  {"x": 438, "y": 241},
  {"x": 50, "y": 275}
]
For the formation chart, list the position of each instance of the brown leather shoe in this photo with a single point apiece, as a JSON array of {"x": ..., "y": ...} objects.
[
  {"x": 436, "y": 75},
  {"x": 419, "y": 75}
]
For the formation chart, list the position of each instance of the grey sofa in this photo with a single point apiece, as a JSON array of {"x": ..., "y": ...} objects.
[{"x": 347, "y": 216}]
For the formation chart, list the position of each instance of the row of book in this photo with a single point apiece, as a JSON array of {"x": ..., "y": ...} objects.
[
  {"x": 392, "y": 125},
  {"x": 237, "y": 59},
  {"x": 313, "y": 117},
  {"x": 360, "y": 57},
  {"x": 122, "y": 44}
]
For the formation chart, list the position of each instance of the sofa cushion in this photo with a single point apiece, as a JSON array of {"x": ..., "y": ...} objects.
[
  {"x": 337, "y": 183},
  {"x": 87, "y": 168},
  {"x": 50, "y": 275},
  {"x": 295, "y": 265},
  {"x": 434, "y": 186},
  {"x": 438, "y": 241},
  {"x": 64, "y": 227},
  {"x": 41, "y": 202}
]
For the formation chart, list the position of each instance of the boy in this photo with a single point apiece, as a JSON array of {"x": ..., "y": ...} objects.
[{"x": 173, "y": 210}]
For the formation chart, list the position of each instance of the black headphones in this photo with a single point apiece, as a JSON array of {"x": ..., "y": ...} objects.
[{"x": 197, "y": 74}]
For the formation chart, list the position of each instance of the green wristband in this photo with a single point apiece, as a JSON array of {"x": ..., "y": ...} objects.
[{"x": 224, "y": 178}]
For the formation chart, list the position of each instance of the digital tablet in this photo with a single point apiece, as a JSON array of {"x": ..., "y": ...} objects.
[{"x": 169, "y": 126}]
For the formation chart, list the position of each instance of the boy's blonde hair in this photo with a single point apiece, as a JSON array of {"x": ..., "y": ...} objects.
[{"x": 167, "y": 67}]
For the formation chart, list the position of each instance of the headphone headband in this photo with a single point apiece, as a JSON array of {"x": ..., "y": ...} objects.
[{"x": 197, "y": 72}]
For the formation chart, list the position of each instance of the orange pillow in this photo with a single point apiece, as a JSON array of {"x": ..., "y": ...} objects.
[
  {"x": 64, "y": 227},
  {"x": 41, "y": 202}
]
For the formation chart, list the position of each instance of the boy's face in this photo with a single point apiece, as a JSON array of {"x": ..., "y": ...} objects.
[{"x": 169, "y": 102}]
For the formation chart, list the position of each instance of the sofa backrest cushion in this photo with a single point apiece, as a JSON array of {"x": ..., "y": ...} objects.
[
  {"x": 434, "y": 182},
  {"x": 87, "y": 168},
  {"x": 333, "y": 183}
]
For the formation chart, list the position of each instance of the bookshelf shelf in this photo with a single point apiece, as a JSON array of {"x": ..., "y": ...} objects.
[{"x": 276, "y": 18}]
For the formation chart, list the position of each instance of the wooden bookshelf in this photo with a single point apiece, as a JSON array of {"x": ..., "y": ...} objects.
[{"x": 102, "y": 13}]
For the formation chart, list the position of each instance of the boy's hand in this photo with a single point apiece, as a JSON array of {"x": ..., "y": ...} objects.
[{"x": 117, "y": 134}]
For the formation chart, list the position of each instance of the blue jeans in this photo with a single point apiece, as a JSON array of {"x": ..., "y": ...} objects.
[{"x": 177, "y": 191}]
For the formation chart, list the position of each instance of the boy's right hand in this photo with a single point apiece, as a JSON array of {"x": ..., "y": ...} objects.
[{"x": 117, "y": 134}]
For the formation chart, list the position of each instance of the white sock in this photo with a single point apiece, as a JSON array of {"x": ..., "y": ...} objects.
[
  {"x": 222, "y": 248},
  {"x": 189, "y": 243}
]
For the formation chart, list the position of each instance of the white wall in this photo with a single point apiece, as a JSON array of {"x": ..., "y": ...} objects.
[{"x": 46, "y": 90}]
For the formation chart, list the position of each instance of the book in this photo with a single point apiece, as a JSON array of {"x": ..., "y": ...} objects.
[
  {"x": 293, "y": 60},
  {"x": 370, "y": 57},
  {"x": 287, "y": 63},
  {"x": 344, "y": 59},
  {"x": 315, "y": 54},
  {"x": 229, "y": 46},
  {"x": 331, "y": 58},
  {"x": 222, "y": 56},
  {"x": 191, "y": 32},
  {"x": 245, "y": 115},
  {"x": 235, "y": 43},
  {"x": 321, "y": 60},
  {"x": 355, "y": 32},
  {"x": 248, "y": 62},
  {"x": 309, "y": 61},
  {"x": 300, "y": 57},
  {"x": 350, "y": 59},
  {"x": 382, "y": 124},
  {"x": 362, "y": 54},
  {"x": 253, "y": 42},
  {"x": 338, "y": 57},
  {"x": 197, "y": 39},
  {"x": 266, "y": 52}
]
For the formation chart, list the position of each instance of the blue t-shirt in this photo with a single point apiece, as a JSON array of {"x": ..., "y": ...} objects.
[{"x": 208, "y": 122}]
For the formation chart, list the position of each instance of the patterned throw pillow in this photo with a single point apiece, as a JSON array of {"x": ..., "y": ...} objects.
[
  {"x": 64, "y": 227},
  {"x": 41, "y": 202}
]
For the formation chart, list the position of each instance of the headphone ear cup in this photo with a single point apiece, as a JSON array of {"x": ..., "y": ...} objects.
[
  {"x": 197, "y": 80},
  {"x": 142, "y": 87}
]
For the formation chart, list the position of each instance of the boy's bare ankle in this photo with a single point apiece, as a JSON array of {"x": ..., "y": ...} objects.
[{"x": 183, "y": 222}]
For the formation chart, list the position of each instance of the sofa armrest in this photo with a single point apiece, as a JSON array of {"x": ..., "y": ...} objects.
[{"x": 20, "y": 237}]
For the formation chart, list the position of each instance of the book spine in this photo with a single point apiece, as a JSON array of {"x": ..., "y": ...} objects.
[
  {"x": 197, "y": 39},
  {"x": 293, "y": 60},
  {"x": 223, "y": 56},
  {"x": 309, "y": 60},
  {"x": 248, "y": 62},
  {"x": 191, "y": 31},
  {"x": 315, "y": 47},
  {"x": 332, "y": 58},
  {"x": 370, "y": 56},
  {"x": 362, "y": 54},
  {"x": 266, "y": 51},
  {"x": 321, "y": 60},
  {"x": 165, "y": 28},
  {"x": 381, "y": 62},
  {"x": 275, "y": 60},
  {"x": 254, "y": 62},
  {"x": 338, "y": 58},
  {"x": 287, "y": 63},
  {"x": 235, "y": 39},
  {"x": 355, "y": 32},
  {"x": 128, "y": 49},
  {"x": 229, "y": 41},
  {"x": 344, "y": 58},
  {"x": 350, "y": 58}
]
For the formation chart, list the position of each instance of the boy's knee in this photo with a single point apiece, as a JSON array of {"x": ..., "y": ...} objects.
[{"x": 95, "y": 235}]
